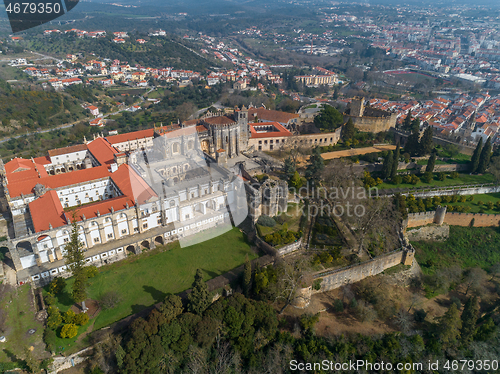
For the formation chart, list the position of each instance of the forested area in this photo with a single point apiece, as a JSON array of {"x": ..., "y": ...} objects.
[
  {"x": 238, "y": 334},
  {"x": 157, "y": 53}
]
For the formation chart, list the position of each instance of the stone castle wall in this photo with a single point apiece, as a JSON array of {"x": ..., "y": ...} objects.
[
  {"x": 355, "y": 273},
  {"x": 372, "y": 124},
  {"x": 454, "y": 219}
]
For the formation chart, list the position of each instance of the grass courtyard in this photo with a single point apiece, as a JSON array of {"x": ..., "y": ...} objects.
[{"x": 146, "y": 279}]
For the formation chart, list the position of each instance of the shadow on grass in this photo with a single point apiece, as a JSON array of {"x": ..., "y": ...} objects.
[
  {"x": 136, "y": 308},
  {"x": 156, "y": 294},
  {"x": 211, "y": 274}
]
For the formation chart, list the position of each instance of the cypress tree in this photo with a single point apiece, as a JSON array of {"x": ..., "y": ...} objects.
[
  {"x": 387, "y": 166},
  {"x": 315, "y": 166},
  {"x": 449, "y": 326},
  {"x": 413, "y": 143},
  {"x": 395, "y": 161},
  {"x": 474, "y": 161},
  {"x": 426, "y": 143},
  {"x": 247, "y": 277},
  {"x": 348, "y": 130},
  {"x": 431, "y": 163},
  {"x": 407, "y": 121},
  {"x": 75, "y": 260},
  {"x": 484, "y": 159},
  {"x": 199, "y": 298},
  {"x": 469, "y": 319}
]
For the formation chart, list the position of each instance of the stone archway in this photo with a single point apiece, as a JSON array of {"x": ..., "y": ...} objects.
[
  {"x": 24, "y": 246},
  {"x": 130, "y": 248},
  {"x": 159, "y": 240},
  {"x": 145, "y": 244}
]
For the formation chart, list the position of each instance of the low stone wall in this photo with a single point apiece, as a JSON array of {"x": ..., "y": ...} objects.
[
  {"x": 420, "y": 219},
  {"x": 429, "y": 233},
  {"x": 290, "y": 248},
  {"x": 341, "y": 277}
]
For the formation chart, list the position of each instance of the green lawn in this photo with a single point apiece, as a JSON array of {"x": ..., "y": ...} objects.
[
  {"x": 474, "y": 205},
  {"x": 463, "y": 178},
  {"x": 146, "y": 279},
  {"x": 20, "y": 317},
  {"x": 466, "y": 247}
]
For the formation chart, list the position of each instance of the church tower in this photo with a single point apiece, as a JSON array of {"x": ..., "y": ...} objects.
[{"x": 243, "y": 129}]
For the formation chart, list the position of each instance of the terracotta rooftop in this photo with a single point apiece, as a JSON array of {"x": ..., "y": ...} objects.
[
  {"x": 66, "y": 150},
  {"x": 280, "y": 130},
  {"x": 47, "y": 210},
  {"x": 270, "y": 115},
  {"x": 219, "y": 120},
  {"x": 102, "y": 151},
  {"x": 120, "y": 138}
]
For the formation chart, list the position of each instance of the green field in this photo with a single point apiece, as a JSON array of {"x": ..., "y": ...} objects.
[
  {"x": 291, "y": 218},
  {"x": 462, "y": 179},
  {"x": 146, "y": 279},
  {"x": 476, "y": 207},
  {"x": 18, "y": 310},
  {"x": 467, "y": 247}
]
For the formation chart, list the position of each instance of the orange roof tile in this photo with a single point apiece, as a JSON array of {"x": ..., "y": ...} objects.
[
  {"x": 102, "y": 151},
  {"x": 47, "y": 210},
  {"x": 120, "y": 138}
]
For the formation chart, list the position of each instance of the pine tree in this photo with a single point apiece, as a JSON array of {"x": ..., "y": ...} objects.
[
  {"x": 469, "y": 319},
  {"x": 199, "y": 298},
  {"x": 387, "y": 166},
  {"x": 449, "y": 326},
  {"x": 75, "y": 260},
  {"x": 484, "y": 158},
  {"x": 348, "y": 130},
  {"x": 431, "y": 163},
  {"x": 426, "y": 143},
  {"x": 247, "y": 277},
  {"x": 415, "y": 125},
  {"x": 407, "y": 121},
  {"x": 315, "y": 166},
  {"x": 474, "y": 161},
  {"x": 395, "y": 161}
]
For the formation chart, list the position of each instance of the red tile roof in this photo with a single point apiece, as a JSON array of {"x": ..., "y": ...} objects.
[
  {"x": 66, "y": 150},
  {"x": 25, "y": 187},
  {"x": 271, "y": 115},
  {"x": 47, "y": 210},
  {"x": 115, "y": 139},
  {"x": 132, "y": 185},
  {"x": 269, "y": 134},
  {"x": 102, "y": 151}
]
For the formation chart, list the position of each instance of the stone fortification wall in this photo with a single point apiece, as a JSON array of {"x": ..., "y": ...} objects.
[
  {"x": 432, "y": 233},
  {"x": 420, "y": 219},
  {"x": 464, "y": 219},
  {"x": 372, "y": 124},
  {"x": 453, "y": 219},
  {"x": 341, "y": 277},
  {"x": 458, "y": 190}
]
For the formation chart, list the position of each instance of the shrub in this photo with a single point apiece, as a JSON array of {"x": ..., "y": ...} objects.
[
  {"x": 308, "y": 321},
  {"x": 81, "y": 319},
  {"x": 490, "y": 205},
  {"x": 49, "y": 299},
  {"x": 447, "y": 199},
  {"x": 441, "y": 176},
  {"x": 470, "y": 198},
  {"x": 420, "y": 315},
  {"x": 109, "y": 300},
  {"x": 266, "y": 221},
  {"x": 91, "y": 271},
  {"x": 463, "y": 199},
  {"x": 454, "y": 175},
  {"x": 338, "y": 306},
  {"x": 455, "y": 300},
  {"x": 317, "y": 284},
  {"x": 406, "y": 156},
  {"x": 54, "y": 317},
  {"x": 454, "y": 198},
  {"x": 482, "y": 210},
  {"x": 414, "y": 179},
  {"x": 480, "y": 203},
  {"x": 427, "y": 177},
  {"x": 69, "y": 331},
  {"x": 57, "y": 285},
  {"x": 407, "y": 179},
  {"x": 397, "y": 179},
  {"x": 50, "y": 339},
  {"x": 69, "y": 316}
]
